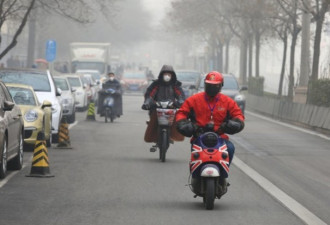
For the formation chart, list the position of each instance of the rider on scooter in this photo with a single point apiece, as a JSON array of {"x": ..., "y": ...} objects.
[
  {"x": 113, "y": 83},
  {"x": 211, "y": 109},
  {"x": 165, "y": 88}
]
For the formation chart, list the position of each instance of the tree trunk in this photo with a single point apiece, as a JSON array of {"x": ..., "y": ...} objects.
[
  {"x": 227, "y": 56},
  {"x": 250, "y": 56},
  {"x": 285, "y": 46},
  {"x": 317, "y": 40},
  {"x": 257, "y": 39},
  {"x": 243, "y": 60},
  {"x": 292, "y": 56}
]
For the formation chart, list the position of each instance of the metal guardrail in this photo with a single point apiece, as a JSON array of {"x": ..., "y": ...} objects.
[{"x": 315, "y": 117}]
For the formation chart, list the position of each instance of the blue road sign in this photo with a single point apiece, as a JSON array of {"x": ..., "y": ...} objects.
[{"x": 50, "y": 50}]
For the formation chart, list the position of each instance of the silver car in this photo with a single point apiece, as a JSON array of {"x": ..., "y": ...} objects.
[
  {"x": 67, "y": 98},
  {"x": 230, "y": 88}
]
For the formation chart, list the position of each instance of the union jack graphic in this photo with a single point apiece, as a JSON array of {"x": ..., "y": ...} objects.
[
  {"x": 196, "y": 163},
  {"x": 224, "y": 163}
]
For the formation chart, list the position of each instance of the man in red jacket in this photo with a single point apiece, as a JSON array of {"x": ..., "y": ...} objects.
[{"x": 213, "y": 110}]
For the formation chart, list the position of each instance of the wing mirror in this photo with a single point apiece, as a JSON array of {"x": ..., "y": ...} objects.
[{"x": 45, "y": 104}]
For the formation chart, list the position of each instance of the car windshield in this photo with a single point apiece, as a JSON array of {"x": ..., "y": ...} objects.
[
  {"x": 22, "y": 96},
  {"x": 62, "y": 84},
  {"x": 74, "y": 81},
  {"x": 140, "y": 76},
  {"x": 229, "y": 83},
  {"x": 187, "y": 76},
  {"x": 39, "y": 81}
]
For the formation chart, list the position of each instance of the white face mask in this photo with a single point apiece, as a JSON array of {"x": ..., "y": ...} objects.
[
  {"x": 166, "y": 78},
  {"x": 111, "y": 78}
]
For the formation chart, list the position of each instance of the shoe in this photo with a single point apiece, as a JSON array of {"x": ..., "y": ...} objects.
[{"x": 153, "y": 149}]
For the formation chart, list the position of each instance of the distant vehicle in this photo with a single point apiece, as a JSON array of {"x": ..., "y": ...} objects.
[
  {"x": 67, "y": 98},
  {"x": 190, "y": 80},
  {"x": 230, "y": 88},
  {"x": 37, "y": 117},
  {"x": 90, "y": 56},
  {"x": 93, "y": 86},
  {"x": 76, "y": 82},
  {"x": 44, "y": 87},
  {"x": 95, "y": 74},
  {"x": 134, "y": 81},
  {"x": 11, "y": 132}
]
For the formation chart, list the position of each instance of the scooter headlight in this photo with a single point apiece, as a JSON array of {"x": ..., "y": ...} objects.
[{"x": 210, "y": 139}]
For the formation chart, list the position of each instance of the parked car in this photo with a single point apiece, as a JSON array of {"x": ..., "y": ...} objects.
[
  {"x": 94, "y": 73},
  {"x": 190, "y": 80},
  {"x": 11, "y": 133},
  {"x": 37, "y": 117},
  {"x": 43, "y": 85},
  {"x": 93, "y": 85},
  {"x": 230, "y": 88},
  {"x": 67, "y": 98},
  {"x": 134, "y": 81},
  {"x": 76, "y": 82}
]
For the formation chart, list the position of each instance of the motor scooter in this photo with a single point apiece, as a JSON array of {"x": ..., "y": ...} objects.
[
  {"x": 108, "y": 104},
  {"x": 165, "y": 117},
  {"x": 209, "y": 167}
]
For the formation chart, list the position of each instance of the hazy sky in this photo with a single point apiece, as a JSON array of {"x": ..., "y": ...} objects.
[{"x": 157, "y": 7}]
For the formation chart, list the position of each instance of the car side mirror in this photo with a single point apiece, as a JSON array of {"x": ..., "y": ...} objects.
[
  {"x": 46, "y": 103},
  {"x": 85, "y": 86},
  {"x": 7, "y": 106},
  {"x": 192, "y": 86},
  {"x": 243, "y": 88},
  {"x": 73, "y": 90},
  {"x": 58, "y": 92}
]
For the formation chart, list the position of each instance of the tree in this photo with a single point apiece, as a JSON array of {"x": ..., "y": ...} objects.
[
  {"x": 19, "y": 11},
  {"x": 318, "y": 11}
]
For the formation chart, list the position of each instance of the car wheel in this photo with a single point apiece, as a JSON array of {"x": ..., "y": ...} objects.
[
  {"x": 49, "y": 141},
  {"x": 17, "y": 162},
  {"x": 3, "y": 160},
  {"x": 55, "y": 138}
]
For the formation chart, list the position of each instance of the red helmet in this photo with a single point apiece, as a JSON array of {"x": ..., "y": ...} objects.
[{"x": 214, "y": 77}]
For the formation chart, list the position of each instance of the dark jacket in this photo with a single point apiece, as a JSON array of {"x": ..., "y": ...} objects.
[
  {"x": 160, "y": 90},
  {"x": 114, "y": 84}
]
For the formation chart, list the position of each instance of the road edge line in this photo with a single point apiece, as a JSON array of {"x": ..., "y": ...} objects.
[{"x": 295, "y": 207}]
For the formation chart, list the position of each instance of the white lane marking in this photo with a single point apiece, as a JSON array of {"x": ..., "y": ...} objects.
[
  {"x": 10, "y": 175},
  {"x": 290, "y": 126},
  {"x": 73, "y": 124},
  {"x": 295, "y": 207}
]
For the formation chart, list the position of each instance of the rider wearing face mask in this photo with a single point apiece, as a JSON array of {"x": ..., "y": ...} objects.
[
  {"x": 211, "y": 110},
  {"x": 165, "y": 88},
  {"x": 113, "y": 83}
]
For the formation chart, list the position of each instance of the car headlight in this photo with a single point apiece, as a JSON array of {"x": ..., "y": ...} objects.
[
  {"x": 239, "y": 98},
  {"x": 31, "y": 116}
]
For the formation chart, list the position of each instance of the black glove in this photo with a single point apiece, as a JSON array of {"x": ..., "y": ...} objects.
[
  {"x": 232, "y": 126},
  {"x": 186, "y": 128},
  {"x": 147, "y": 104}
]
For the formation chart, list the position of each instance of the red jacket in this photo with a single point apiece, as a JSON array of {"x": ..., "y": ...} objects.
[{"x": 202, "y": 106}]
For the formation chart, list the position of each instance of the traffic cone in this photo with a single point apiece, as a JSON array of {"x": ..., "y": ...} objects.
[
  {"x": 40, "y": 162},
  {"x": 91, "y": 112},
  {"x": 63, "y": 135}
]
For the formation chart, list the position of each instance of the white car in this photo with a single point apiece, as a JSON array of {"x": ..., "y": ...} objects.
[
  {"x": 67, "y": 98},
  {"x": 76, "y": 82},
  {"x": 94, "y": 86},
  {"x": 44, "y": 87}
]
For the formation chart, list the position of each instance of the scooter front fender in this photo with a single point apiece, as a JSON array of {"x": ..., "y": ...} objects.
[{"x": 210, "y": 170}]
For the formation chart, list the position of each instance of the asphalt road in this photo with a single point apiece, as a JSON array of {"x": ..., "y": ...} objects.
[{"x": 110, "y": 177}]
